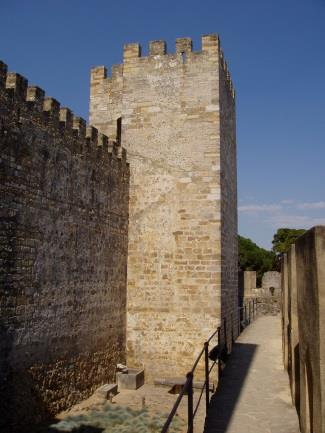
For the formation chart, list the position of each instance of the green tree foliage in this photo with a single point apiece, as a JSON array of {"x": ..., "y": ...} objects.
[
  {"x": 284, "y": 237},
  {"x": 254, "y": 258}
]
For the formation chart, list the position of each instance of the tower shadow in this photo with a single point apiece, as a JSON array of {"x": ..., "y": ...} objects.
[{"x": 224, "y": 400}]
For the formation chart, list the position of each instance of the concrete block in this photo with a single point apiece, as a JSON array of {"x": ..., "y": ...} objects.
[{"x": 133, "y": 379}]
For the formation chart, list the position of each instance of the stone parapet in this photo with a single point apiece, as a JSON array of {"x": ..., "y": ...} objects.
[{"x": 303, "y": 326}]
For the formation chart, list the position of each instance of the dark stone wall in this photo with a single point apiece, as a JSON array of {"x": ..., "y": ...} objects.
[
  {"x": 63, "y": 256},
  {"x": 228, "y": 181},
  {"x": 303, "y": 326},
  {"x": 310, "y": 265}
]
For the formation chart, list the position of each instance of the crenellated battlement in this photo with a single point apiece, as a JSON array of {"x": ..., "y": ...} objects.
[
  {"x": 157, "y": 48},
  {"x": 104, "y": 80},
  {"x": 227, "y": 76},
  {"x": 209, "y": 44},
  {"x": 30, "y": 104},
  {"x": 178, "y": 125}
]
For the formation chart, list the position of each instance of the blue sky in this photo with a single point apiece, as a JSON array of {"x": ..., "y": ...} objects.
[{"x": 276, "y": 54}]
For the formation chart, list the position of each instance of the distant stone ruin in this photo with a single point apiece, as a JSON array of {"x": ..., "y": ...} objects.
[
  {"x": 268, "y": 296},
  {"x": 271, "y": 282}
]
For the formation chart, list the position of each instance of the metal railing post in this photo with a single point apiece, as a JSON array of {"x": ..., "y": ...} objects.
[
  {"x": 232, "y": 329},
  {"x": 245, "y": 313},
  {"x": 190, "y": 403},
  {"x": 239, "y": 314},
  {"x": 225, "y": 332},
  {"x": 249, "y": 311},
  {"x": 219, "y": 355},
  {"x": 207, "y": 384},
  {"x": 219, "y": 345}
]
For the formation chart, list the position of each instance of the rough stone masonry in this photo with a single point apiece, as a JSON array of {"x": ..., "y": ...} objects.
[
  {"x": 178, "y": 126},
  {"x": 63, "y": 256},
  {"x": 303, "y": 326},
  {"x": 68, "y": 260}
]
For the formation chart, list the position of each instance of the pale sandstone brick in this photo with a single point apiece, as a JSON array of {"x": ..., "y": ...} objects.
[{"x": 178, "y": 124}]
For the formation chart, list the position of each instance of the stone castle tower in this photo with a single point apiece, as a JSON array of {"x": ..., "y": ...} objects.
[{"x": 177, "y": 121}]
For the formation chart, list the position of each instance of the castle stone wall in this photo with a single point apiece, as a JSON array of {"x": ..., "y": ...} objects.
[
  {"x": 63, "y": 235},
  {"x": 285, "y": 309},
  {"x": 178, "y": 125},
  {"x": 228, "y": 187},
  {"x": 310, "y": 263},
  {"x": 303, "y": 326}
]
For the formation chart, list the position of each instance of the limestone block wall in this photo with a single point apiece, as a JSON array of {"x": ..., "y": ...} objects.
[
  {"x": 268, "y": 305},
  {"x": 228, "y": 187},
  {"x": 268, "y": 302},
  {"x": 63, "y": 257},
  {"x": 249, "y": 281},
  {"x": 303, "y": 288},
  {"x": 178, "y": 125}
]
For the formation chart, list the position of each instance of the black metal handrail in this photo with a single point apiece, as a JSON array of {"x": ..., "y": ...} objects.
[{"x": 245, "y": 317}]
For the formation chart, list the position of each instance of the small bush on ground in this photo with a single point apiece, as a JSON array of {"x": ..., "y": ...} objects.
[{"x": 116, "y": 419}]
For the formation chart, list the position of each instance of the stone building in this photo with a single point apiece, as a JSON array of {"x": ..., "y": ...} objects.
[
  {"x": 271, "y": 281},
  {"x": 178, "y": 126},
  {"x": 268, "y": 301},
  {"x": 90, "y": 275}
]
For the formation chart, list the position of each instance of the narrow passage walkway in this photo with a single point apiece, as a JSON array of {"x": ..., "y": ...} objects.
[{"x": 254, "y": 395}]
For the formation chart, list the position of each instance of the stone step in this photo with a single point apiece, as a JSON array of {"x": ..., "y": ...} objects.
[
  {"x": 106, "y": 391},
  {"x": 176, "y": 384}
]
